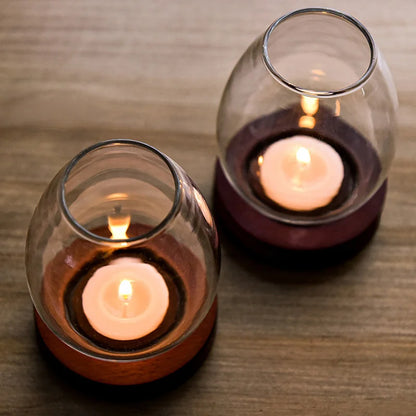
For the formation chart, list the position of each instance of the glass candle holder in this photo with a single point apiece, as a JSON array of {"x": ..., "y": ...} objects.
[
  {"x": 122, "y": 261},
  {"x": 306, "y": 136}
]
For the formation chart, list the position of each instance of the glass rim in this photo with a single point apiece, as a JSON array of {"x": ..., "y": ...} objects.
[
  {"x": 105, "y": 240},
  {"x": 325, "y": 12}
]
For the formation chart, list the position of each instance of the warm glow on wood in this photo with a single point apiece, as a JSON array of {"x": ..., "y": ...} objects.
[
  {"x": 310, "y": 105},
  {"x": 125, "y": 290},
  {"x": 118, "y": 226}
]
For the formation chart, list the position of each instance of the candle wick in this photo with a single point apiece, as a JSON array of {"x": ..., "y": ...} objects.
[
  {"x": 125, "y": 292},
  {"x": 125, "y": 306},
  {"x": 297, "y": 181}
]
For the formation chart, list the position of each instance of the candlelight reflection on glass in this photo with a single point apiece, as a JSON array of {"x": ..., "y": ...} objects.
[
  {"x": 122, "y": 265},
  {"x": 306, "y": 136}
]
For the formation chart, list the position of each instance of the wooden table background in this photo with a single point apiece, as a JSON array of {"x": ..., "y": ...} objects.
[{"x": 338, "y": 341}]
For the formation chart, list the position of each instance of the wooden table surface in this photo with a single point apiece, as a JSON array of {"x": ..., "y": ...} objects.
[{"x": 335, "y": 341}]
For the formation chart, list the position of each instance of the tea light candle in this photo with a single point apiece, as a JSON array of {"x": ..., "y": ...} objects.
[
  {"x": 301, "y": 173},
  {"x": 126, "y": 299}
]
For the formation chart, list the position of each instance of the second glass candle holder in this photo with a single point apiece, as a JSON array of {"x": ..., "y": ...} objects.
[{"x": 306, "y": 136}]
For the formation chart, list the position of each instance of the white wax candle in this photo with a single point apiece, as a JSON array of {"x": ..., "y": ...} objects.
[
  {"x": 301, "y": 173},
  {"x": 126, "y": 299}
]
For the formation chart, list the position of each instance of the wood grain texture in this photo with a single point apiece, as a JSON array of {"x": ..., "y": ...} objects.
[{"x": 335, "y": 341}]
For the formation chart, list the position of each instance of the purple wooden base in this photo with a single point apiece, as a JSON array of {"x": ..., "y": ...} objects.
[{"x": 267, "y": 235}]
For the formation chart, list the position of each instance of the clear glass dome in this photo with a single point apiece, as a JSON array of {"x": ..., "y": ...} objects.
[
  {"x": 121, "y": 199},
  {"x": 314, "y": 73}
]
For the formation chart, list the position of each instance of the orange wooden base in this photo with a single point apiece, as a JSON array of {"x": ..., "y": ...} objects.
[{"x": 119, "y": 372}]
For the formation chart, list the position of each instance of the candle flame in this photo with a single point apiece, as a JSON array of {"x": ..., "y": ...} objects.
[
  {"x": 310, "y": 105},
  {"x": 125, "y": 290},
  {"x": 308, "y": 122},
  {"x": 337, "y": 108},
  {"x": 118, "y": 226},
  {"x": 303, "y": 156},
  {"x": 318, "y": 72}
]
